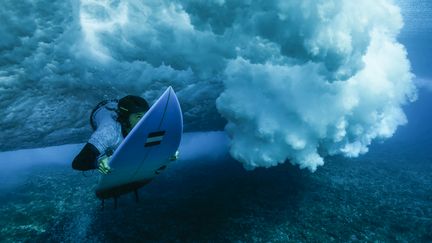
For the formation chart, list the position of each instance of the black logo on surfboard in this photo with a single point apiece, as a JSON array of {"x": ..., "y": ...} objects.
[{"x": 154, "y": 138}]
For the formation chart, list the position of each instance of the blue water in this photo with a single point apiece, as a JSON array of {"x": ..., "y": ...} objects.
[{"x": 384, "y": 195}]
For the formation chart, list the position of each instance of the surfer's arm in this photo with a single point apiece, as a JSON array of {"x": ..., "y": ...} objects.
[{"x": 87, "y": 158}]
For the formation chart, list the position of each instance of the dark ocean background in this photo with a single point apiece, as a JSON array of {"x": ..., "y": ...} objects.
[{"x": 384, "y": 195}]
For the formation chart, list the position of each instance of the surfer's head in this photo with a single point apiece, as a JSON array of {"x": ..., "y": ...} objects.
[{"x": 130, "y": 109}]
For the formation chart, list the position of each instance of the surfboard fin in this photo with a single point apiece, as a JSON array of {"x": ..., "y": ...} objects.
[{"x": 158, "y": 171}]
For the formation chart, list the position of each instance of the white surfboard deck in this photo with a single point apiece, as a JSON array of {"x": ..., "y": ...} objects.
[{"x": 146, "y": 150}]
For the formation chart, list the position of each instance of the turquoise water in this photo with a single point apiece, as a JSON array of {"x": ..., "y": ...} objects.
[{"x": 52, "y": 72}]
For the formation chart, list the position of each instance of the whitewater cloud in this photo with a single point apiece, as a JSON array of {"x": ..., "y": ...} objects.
[
  {"x": 295, "y": 113},
  {"x": 294, "y": 80},
  {"x": 343, "y": 86}
]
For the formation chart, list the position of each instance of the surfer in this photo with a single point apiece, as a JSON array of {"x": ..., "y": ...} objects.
[{"x": 111, "y": 121}]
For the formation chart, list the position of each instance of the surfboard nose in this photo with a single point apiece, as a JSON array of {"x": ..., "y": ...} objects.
[
  {"x": 170, "y": 89},
  {"x": 169, "y": 92}
]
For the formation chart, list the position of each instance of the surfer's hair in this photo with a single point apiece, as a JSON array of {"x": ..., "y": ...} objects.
[{"x": 132, "y": 104}]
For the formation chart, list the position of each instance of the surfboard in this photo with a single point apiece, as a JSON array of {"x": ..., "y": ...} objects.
[{"x": 146, "y": 150}]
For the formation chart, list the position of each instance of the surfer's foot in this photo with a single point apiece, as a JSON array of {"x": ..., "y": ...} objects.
[{"x": 175, "y": 156}]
